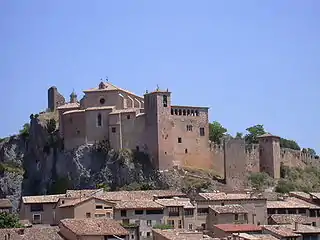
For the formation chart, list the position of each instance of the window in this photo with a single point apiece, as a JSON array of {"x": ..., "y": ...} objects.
[
  {"x": 36, "y": 207},
  {"x": 36, "y": 218},
  {"x": 137, "y": 148},
  {"x": 62, "y": 202},
  {"x": 107, "y": 207},
  {"x": 236, "y": 217},
  {"x": 189, "y": 128},
  {"x": 173, "y": 211},
  {"x": 138, "y": 212},
  {"x": 203, "y": 225},
  {"x": 113, "y": 129},
  {"x": 190, "y": 226},
  {"x": 155, "y": 211},
  {"x": 123, "y": 213},
  {"x": 202, "y": 211},
  {"x": 149, "y": 223},
  {"x": 165, "y": 100},
  {"x": 78, "y": 132},
  {"x": 148, "y": 234},
  {"x": 186, "y": 150},
  {"x": 132, "y": 236},
  {"x": 99, "y": 207},
  {"x": 184, "y": 112},
  {"x": 179, "y": 224},
  {"x": 102, "y": 101},
  {"x": 171, "y": 111},
  {"x": 108, "y": 215},
  {"x": 179, "y": 140},
  {"x": 170, "y": 223},
  {"x": 222, "y": 204},
  {"x": 99, "y": 215},
  {"x": 188, "y": 212},
  {"x": 99, "y": 120},
  {"x": 201, "y": 131},
  {"x": 88, "y": 215},
  {"x": 128, "y": 116}
]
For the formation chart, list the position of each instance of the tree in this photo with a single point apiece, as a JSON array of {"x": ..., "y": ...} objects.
[
  {"x": 286, "y": 143},
  {"x": 260, "y": 180},
  {"x": 285, "y": 186},
  {"x": 216, "y": 132},
  {"x": 253, "y": 133},
  {"x": 8, "y": 220},
  {"x": 24, "y": 132},
  {"x": 239, "y": 135}
]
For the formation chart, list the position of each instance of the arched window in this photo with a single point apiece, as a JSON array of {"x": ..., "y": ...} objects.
[{"x": 99, "y": 120}]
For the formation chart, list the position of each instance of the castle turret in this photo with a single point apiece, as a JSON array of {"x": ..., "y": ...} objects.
[
  {"x": 270, "y": 154},
  {"x": 73, "y": 97}
]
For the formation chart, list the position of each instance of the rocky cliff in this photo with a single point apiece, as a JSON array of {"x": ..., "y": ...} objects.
[{"x": 36, "y": 163}]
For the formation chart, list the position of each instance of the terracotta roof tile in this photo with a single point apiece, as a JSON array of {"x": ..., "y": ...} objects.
[
  {"x": 139, "y": 204},
  {"x": 226, "y": 196},
  {"x": 78, "y": 201},
  {"x": 42, "y": 198},
  {"x": 179, "y": 234},
  {"x": 232, "y": 208},
  {"x": 94, "y": 226},
  {"x": 5, "y": 203},
  {"x": 281, "y": 230},
  {"x": 175, "y": 202},
  {"x": 289, "y": 218},
  {"x": 291, "y": 202},
  {"x": 84, "y": 192},
  {"x": 141, "y": 195},
  {"x": 69, "y": 105},
  {"x": 34, "y": 233},
  {"x": 238, "y": 227},
  {"x": 259, "y": 236}
]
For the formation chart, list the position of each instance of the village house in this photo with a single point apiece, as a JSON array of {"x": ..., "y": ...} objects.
[
  {"x": 254, "y": 205},
  {"x": 33, "y": 233},
  {"x": 39, "y": 209},
  {"x": 233, "y": 213},
  {"x": 5, "y": 205},
  {"x": 293, "y": 205},
  {"x": 92, "y": 229},
  {"x": 285, "y": 219},
  {"x": 250, "y": 236}
]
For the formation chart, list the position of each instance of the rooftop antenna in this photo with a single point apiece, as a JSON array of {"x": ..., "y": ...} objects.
[
  {"x": 157, "y": 87},
  {"x": 107, "y": 78}
]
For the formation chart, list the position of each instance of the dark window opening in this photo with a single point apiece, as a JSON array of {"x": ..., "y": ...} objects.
[
  {"x": 176, "y": 111},
  {"x": 128, "y": 116},
  {"x": 137, "y": 148},
  {"x": 222, "y": 204},
  {"x": 102, "y": 101},
  {"x": 202, "y": 211},
  {"x": 138, "y": 212},
  {"x": 99, "y": 119},
  {"x": 165, "y": 101},
  {"x": 165, "y": 153},
  {"x": 189, "y": 128},
  {"x": 154, "y": 211},
  {"x": 188, "y": 212},
  {"x": 36, "y": 207},
  {"x": 236, "y": 217},
  {"x": 88, "y": 215},
  {"x": 179, "y": 140},
  {"x": 202, "y": 132},
  {"x": 78, "y": 132},
  {"x": 192, "y": 113},
  {"x": 180, "y": 112},
  {"x": 171, "y": 111},
  {"x": 186, "y": 150},
  {"x": 113, "y": 129},
  {"x": 148, "y": 234},
  {"x": 99, "y": 207},
  {"x": 123, "y": 213},
  {"x": 197, "y": 113},
  {"x": 188, "y": 112},
  {"x": 173, "y": 211},
  {"x": 184, "y": 112}
]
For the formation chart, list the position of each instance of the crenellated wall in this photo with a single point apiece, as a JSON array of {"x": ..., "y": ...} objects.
[
  {"x": 253, "y": 157},
  {"x": 294, "y": 158}
]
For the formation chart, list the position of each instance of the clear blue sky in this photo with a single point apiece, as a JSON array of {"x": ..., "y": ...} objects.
[{"x": 251, "y": 62}]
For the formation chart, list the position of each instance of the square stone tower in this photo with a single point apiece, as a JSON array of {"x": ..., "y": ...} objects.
[
  {"x": 270, "y": 154},
  {"x": 157, "y": 106}
]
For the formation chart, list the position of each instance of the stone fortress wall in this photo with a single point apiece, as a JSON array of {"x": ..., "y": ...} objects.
[{"x": 289, "y": 157}]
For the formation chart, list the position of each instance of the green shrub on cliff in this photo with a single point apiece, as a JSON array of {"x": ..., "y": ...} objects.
[
  {"x": 260, "y": 180},
  {"x": 25, "y": 131}
]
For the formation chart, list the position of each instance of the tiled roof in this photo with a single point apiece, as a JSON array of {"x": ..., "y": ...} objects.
[
  {"x": 175, "y": 202},
  {"x": 226, "y": 196},
  {"x": 94, "y": 226},
  {"x": 83, "y": 192},
  {"x": 263, "y": 236},
  {"x": 300, "y": 194},
  {"x": 110, "y": 87},
  {"x": 5, "y": 203},
  {"x": 179, "y": 234},
  {"x": 69, "y": 105},
  {"x": 238, "y": 227},
  {"x": 280, "y": 230},
  {"x": 74, "y": 111},
  {"x": 100, "y": 108},
  {"x": 232, "y": 208},
  {"x": 34, "y": 233},
  {"x": 78, "y": 201},
  {"x": 140, "y": 195},
  {"x": 291, "y": 202},
  {"x": 128, "y": 110},
  {"x": 304, "y": 229},
  {"x": 267, "y": 135},
  {"x": 289, "y": 218},
  {"x": 315, "y": 194},
  {"x": 139, "y": 204},
  {"x": 42, "y": 198}
]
